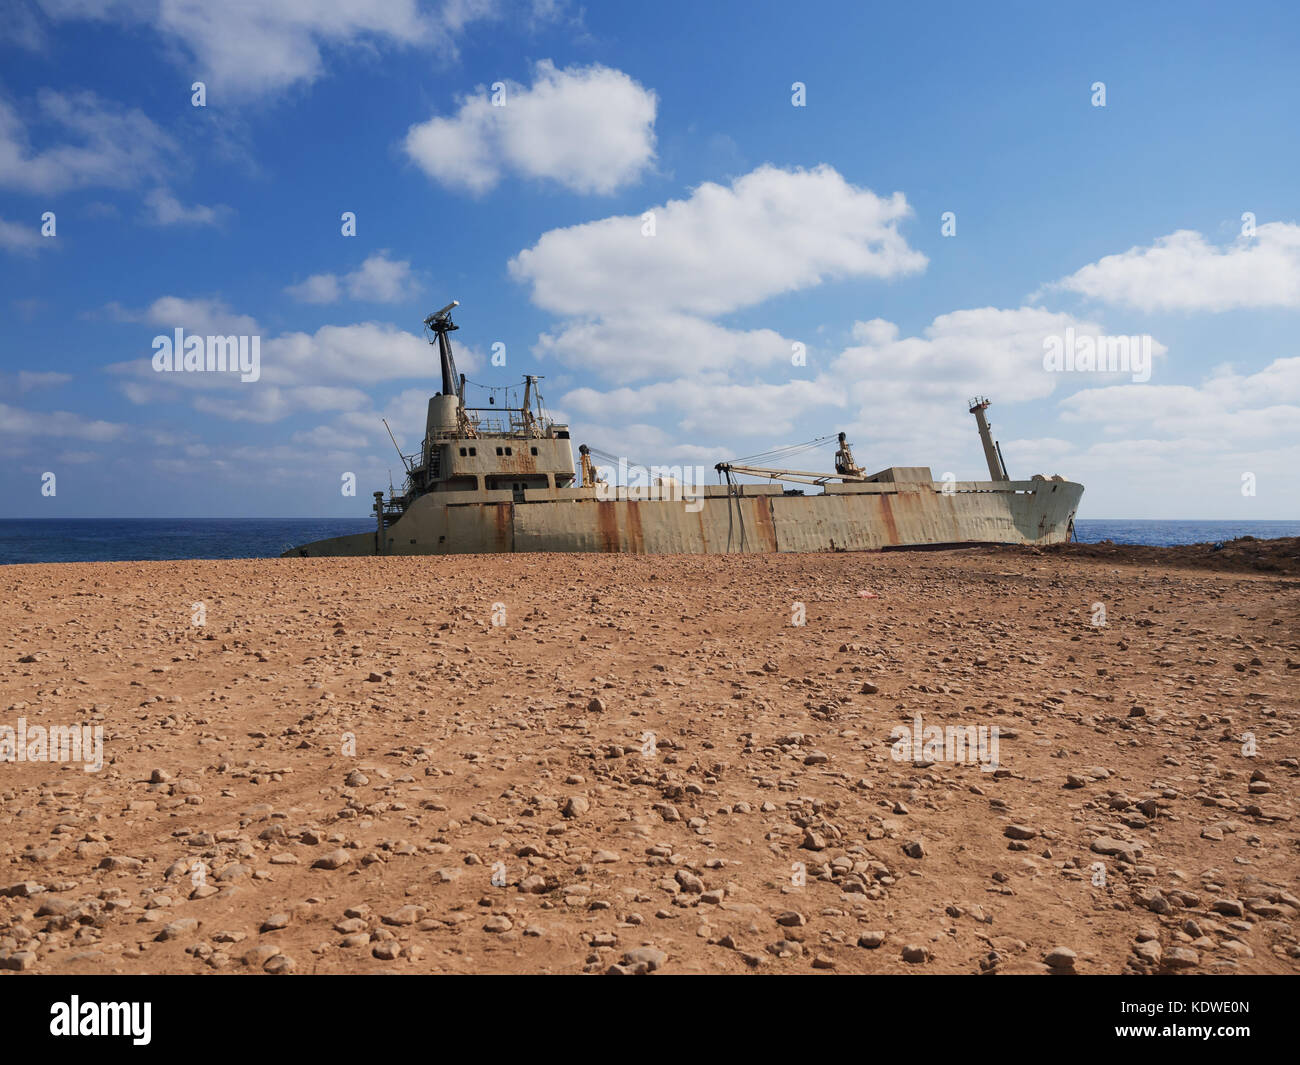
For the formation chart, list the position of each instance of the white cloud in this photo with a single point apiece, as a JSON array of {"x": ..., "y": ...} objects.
[
  {"x": 902, "y": 398},
  {"x": 322, "y": 371},
  {"x": 590, "y": 129},
  {"x": 772, "y": 231},
  {"x": 638, "y": 346},
  {"x": 319, "y": 288},
  {"x": 1232, "y": 409},
  {"x": 377, "y": 280},
  {"x": 356, "y": 354},
  {"x": 206, "y": 316},
  {"x": 164, "y": 209},
  {"x": 29, "y": 379},
  {"x": 102, "y": 145},
  {"x": 249, "y": 48},
  {"x": 19, "y": 238},
  {"x": 15, "y": 421},
  {"x": 707, "y": 407},
  {"x": 22, "y": 27},
  {"x": 1182, "y": 271},
  {"x": 638, "y": 306},
  {"x": 329, "y": 438},
  {"x": 271, "y": 403}
]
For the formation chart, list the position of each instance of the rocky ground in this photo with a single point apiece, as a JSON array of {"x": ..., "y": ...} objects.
[{"x": 625, "y": 764}]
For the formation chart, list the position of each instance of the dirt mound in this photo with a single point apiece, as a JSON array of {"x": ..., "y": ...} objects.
[{"x": 1245, "y": 554}]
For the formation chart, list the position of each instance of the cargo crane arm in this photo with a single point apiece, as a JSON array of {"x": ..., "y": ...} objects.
[{"x": 800, "y": 476}]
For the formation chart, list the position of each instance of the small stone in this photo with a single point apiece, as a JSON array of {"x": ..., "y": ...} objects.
[
  {"x": 406, "y": 915},
  {"x": 1149, "y": 951},
  {"x": 18, "y": 960},
  {"x": 498, "y": 922},
  {"x": 690, "y": 883},
  {"x": 275, "y": 922},
  {"x": 335, "y": 859},
  {"x": 121, "y": 864},
  {"x": 178, "y": 928},
  {"x": 915, "y": 955},
  {"x": 645, "y": 959},
  {"x": 871, "y": 940},
  {"x": 1061, "y": 958},
  {"x": 256, "y": 957}
]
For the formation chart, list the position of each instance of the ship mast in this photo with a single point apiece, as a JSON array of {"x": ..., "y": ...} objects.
[{"x": 440, "y": 324}]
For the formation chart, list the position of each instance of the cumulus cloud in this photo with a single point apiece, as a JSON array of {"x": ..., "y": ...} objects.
[
  {"x": 207, "y": 315},
  {"x": 704, "y": 408},
  {"x": 164, "y": 209},
  {"x": 19, "y": 238},
  {"x": 322, "y": 371},
  {"x": 589, "y": 129},
  {"x": 1229, "y": 407},
  {"x": 377, "y": 280},
  {"x": 637, "y": 306},
  {"x": 14, "y": 421},
  {"x": 249, "y": 48},
  {"x": 95, "y": 143},
  {"x": 1183, "y": 272},
  {"x": 637, "y": 346},
  {"x": 723, "y": 248},
  {"x": 888, "y": 390},
  {"x": 29, "y": 379}
]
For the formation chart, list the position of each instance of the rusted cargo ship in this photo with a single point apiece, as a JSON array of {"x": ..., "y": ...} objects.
[{"x": 502, "y": 478}]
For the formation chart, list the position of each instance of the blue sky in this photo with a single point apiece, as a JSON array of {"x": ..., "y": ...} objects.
[{"x": 774, "y": 225}]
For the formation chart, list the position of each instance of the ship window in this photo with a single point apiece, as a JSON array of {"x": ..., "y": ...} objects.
[
  {"x": 473, "y": 451},
  {"x": 534, "y": 450},
  {"x": 499, "y": 451},
  {"x": 462, "y": 452},
  {"x": 509, "y": 451}
]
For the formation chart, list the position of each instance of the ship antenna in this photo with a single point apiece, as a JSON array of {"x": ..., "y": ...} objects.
[
  {"x": 440, "y": 324},
  {"x": 405, "y": 462}
]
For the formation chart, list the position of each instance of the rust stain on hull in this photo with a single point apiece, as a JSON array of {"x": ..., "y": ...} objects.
[
  {"x": 763, "y": 526},
  {"x": 887, "y": 519},
  {"x": 505, "y": 532},
  {"x": 635, "y": 535},
  {"x": 607, "y": 523}
]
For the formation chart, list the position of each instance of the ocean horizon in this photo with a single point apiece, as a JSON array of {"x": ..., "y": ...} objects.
[{"x": 36, "y": 540}]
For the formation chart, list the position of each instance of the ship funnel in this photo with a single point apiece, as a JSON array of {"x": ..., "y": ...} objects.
[{"x": 997, "y": 471}]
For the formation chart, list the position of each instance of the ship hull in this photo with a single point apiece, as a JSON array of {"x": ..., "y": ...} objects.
[{"x": 740, "y": 519}]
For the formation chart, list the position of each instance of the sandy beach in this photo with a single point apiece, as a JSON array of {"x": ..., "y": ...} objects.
[{"x": 673, "y": 764}]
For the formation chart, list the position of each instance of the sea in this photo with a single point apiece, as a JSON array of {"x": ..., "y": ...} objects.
[{"x": 159, "y": 539}]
